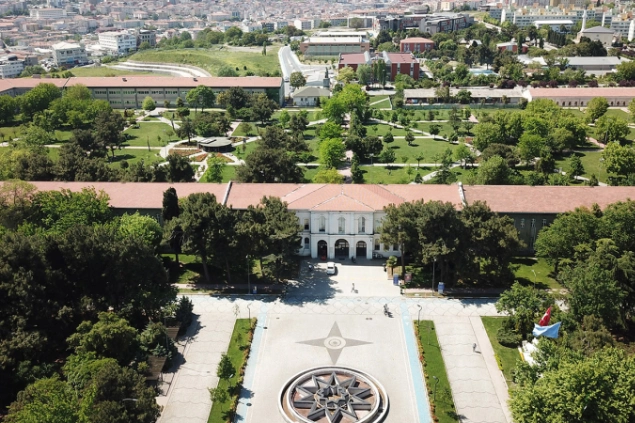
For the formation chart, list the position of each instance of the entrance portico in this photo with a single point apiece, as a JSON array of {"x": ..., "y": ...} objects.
[{"x": 341, "y": 246}]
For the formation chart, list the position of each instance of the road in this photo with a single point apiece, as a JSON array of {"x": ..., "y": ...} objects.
[{"x": 290, "y": 63}]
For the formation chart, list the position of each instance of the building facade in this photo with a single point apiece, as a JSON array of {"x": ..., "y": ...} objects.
[
  {"x": 67, "y": 54},
  {"x": 343, "y": 221},
  {"x": 415, "y": 45},
  {"x": 147, "y": 36},
  {"x": 333, "y": 46},
  {"x": 396, "y": 63},
  {"x": 10, "y": 67},
  {"x": 130, "y": 91},
  {"x": 118, "y": 42}
]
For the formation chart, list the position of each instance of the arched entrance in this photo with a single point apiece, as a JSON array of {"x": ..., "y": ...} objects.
[
  {"x": 360, "y": 250},
  {"x": 322, "y": 250},
  {"x": 341, "y": 248}
]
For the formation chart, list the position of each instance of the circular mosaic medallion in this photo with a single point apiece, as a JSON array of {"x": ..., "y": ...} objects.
[{"x": 333, "y": 395}]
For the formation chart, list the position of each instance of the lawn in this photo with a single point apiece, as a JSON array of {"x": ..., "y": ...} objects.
[
  {"x": 106, "y": 71},
  {"x": 150, "y": 132},
  {"x": 591, "y": 162},
  {"x": 383, "y": 129},
  {"x": 384, "y": 104},
  {"x": 229, "y": 174},
  {"x": 312, "y": 115},
  {"x": 444, "y": 129},
  {"x": 213, "y": 59},
  {"x": 134, "y": 156},
  {"x": 427, "y": 147},
  {"x": 385, "y": 175},
  {"x": 243, "y": 150},
  {"x": 440, "y": 393},
  {"x": 54, "y": 154},
  {"x": 239, "y": 132},
  {"x": 310, "y": 172},
  {"x": 526, "y": 266},
  {"x": 505, "y": 356},
  {"x": 238, "y": 353}
]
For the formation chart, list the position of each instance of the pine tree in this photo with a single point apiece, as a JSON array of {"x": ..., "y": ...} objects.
[{"x": 356, "y": 172}]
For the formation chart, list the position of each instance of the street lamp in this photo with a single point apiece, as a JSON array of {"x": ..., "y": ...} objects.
[
  {"x": 434, "y": 395},
  {"x": 433, "y": 268},
  {"x": 419, "y": 315},
  {"x": 601, "y": 167},
  {"x": 248, "y": 282},
  {"x": 534, "y": 272}
]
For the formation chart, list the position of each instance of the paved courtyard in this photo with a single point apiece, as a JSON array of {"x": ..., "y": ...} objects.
[{"x": 290, "y": 334}]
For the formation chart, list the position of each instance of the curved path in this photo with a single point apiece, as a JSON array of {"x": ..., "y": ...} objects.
[{"x": 172, "y": 69}]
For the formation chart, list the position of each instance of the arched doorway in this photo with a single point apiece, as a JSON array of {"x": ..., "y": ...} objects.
[
  {"x": 341, "y": 248},
  {"x": 360, "y": 250},
  {"x": 322, "y": 250}
]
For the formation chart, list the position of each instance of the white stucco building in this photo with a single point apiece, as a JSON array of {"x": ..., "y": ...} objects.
[
  {"x": 118, "y": 42},
  {"x": 69, "y": 54},
  {"x": 10, "y": 67}
]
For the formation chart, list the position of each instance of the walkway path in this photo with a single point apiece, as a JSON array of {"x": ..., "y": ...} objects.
[
  {"x": 478, "y": 387},
  {"x": 186, "y": 399}
]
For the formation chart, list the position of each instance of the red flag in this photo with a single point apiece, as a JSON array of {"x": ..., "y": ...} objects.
[{"x": 545, "y": 319}]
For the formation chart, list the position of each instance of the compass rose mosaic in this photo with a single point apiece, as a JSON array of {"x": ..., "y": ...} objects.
[{"x": 333, "y": 395}]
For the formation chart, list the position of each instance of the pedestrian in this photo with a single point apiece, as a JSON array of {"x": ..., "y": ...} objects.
[
  {"x": 474, "y": 347},
  {"x": 353, "y": 288}
]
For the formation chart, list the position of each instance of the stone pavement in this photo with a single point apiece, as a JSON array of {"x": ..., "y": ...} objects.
[
  {"x": 186, "y": 399},
  {"x": 308, "y": 312},
  {"x": 478, "y": 387}
]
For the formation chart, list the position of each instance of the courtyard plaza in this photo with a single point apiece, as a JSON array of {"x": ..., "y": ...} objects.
[{"x": 326, "y": 321}]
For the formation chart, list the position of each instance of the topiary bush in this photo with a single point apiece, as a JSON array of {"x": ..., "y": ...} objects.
[{"x": 508, "y": 337}]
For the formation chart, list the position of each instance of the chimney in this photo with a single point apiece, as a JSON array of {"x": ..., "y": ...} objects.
[{"x": 124, "y": 80}]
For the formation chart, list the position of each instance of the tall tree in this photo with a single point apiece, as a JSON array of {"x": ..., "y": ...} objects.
[
  {"x": 109, "y": 130},
  {"x": 297, "y": 80},
  {"x": 201, "y": 96},
  {"x": 179, "y": 169},
  {"x": 332, "y": 152}
]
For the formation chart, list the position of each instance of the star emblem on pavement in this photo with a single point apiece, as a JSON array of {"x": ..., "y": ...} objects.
[
  {"x": 333, "y": 398},
  {"x": 334, "y": 343}
]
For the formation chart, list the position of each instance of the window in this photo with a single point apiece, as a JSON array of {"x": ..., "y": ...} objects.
[
  {"x": 306, "y": 242},
  {"x": 522, "y": 223},
  {"x": 341, "y": 225},
  {"x": 376, "y": 244},
  {"x": 544, "y": 222},
  {"x": 361, "y": 225},
  {"x": 395, "y": 247},
  {"x": 533, "y": 223},
  {"x": 306, "y": 224},
  {"x": 322, "y": 223}
]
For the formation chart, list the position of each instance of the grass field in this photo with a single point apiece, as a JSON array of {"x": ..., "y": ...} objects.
[
  {"x": 433, "y": 366},
  {"x": 591, "y": 162},
  {"x": 134, "y": 156},
  {"x": 386, "y": 175},
  {"x": 526, "y": 266},
  {"x": 106, "y": 71},
  {"x": 238, "y": 353},
  {"x": 505, "y": 356},
  {"x": 213, "y": 60},
  {"x": 427, "y": 147},
  {"x": 149, "y": 132},
  {"x": 384, "y": 104},
  {"x": 54, "y": 154}
]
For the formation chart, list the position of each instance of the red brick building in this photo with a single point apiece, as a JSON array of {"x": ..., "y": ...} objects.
[
  {"x": 416, "y": 45},
  {"x": 396, "y": 63}
]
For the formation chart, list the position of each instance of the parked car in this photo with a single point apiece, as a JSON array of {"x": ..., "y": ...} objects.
[{"x": 330, "y": 268}]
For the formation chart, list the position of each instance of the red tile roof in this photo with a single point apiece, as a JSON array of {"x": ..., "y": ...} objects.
[
  {"x": 545, "y": 199},
  {"x": 360, "y": 198},
  {"x": 352, "y": 58},
  {"x": 582, "y": 92},
  {"x": 178, "y": 81},
  {"x": 146, "y": 82},
  {"x": 415, "y": 40}
]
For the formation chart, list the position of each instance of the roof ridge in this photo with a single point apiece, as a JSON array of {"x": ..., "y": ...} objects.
[{"x": 384, "y": 187}]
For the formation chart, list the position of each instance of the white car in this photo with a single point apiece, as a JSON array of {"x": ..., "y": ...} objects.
[{"x": 330, "y": 268}]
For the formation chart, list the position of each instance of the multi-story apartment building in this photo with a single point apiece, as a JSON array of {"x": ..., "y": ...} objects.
[
  {"x": 47, "y": 13},
  {"x": 149, "y": 36},
  {"x": 303, "y": 24},
  {"x": 67, "y": 54},
  {"x": 10, "y": 67},
  {"x": 118, "y": 42}
]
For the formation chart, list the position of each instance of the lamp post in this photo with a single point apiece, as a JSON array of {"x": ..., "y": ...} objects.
[
  {"x": 434, "y": 263},
  {"x": 534, "y": 272},
  {"x": 601, "y": 167},
  {"x": 419, "y": 315},
  {"x": 434, "y": 394},
  {"x": 248, "y": 271}
]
